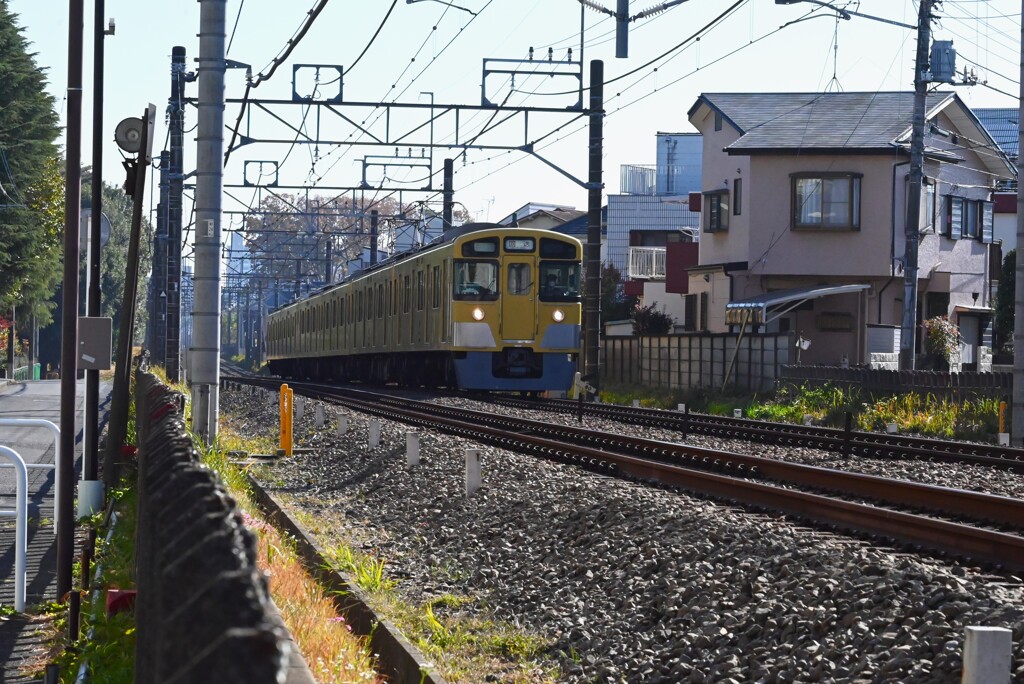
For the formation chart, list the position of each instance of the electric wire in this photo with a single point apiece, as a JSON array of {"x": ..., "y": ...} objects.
[
  {"x": 269, "y": 71},
  {"x": 235, "y": 27},
  {"x": 374, "y": 37}
]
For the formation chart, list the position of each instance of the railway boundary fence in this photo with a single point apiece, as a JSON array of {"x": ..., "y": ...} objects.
[
  {"x": 203, "y": 611},
  {"x": 691, "y": 360},
  {"x": 880, "y": 381}
]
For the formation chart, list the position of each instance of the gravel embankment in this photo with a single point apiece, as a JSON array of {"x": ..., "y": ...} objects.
[{"x": 634, "y": 584}]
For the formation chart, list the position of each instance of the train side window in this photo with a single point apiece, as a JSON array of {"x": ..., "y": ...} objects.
[
  {"x": 407, "y": 296},
  {"x": 380, "y": 301},
  {"x": 419, "y": 291},
  {"x": 436, "y": 287}
]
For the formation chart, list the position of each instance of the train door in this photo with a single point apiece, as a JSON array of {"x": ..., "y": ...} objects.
[{"x": 518, "y": 310}]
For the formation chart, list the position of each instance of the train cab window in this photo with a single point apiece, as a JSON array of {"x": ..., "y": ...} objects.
[
  {"x": 476, "y": 280},
  {"x": 560, "y": 281},
  {"x": 519, "y": 281},
  {"x": 556, "y": 249}
]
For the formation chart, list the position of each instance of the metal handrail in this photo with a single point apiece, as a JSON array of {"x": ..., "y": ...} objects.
[
  {"x": 39, "y": 422},
  {"x": 647, "y": 262},
  {"x": 21, "y": 525}
]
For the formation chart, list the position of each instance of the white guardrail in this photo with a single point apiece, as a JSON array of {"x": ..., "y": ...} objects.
[
  {"x": 20, "y": 513},
  {"x": 39, "y": 422}
]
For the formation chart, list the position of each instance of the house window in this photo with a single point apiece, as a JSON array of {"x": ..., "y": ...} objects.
[
  {"x": 826, "y": 200},
  {"x": 970, "y": 216},
  {"x": 716, "y": 211},
  {"x": 718, "y": 121},
  {"x": 737, "y": 195},
  {"x": 928, "y": 210},
  {"x": 968, "y": 219}
]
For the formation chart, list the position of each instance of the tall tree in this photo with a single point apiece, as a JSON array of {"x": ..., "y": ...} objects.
[
  {"x": 28, "y": 130},
  {"x": 117, "y": 207}
]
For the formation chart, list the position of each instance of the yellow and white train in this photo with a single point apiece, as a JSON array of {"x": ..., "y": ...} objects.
[{"x": 487, "y": 307}]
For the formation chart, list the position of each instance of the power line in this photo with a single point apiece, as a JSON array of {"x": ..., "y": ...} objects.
[
  {"x": 266, "y": 74},
  {"x": 373, "y": 38}
]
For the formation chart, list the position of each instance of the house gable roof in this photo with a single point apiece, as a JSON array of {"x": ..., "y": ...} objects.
[
  {"x": 843, "y": 123},
  {"x": 1001, "y": 123},
  {"x": 818, "y": 121}
]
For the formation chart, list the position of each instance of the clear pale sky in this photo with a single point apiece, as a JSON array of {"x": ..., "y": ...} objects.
[{"x": 413, "y": 54}]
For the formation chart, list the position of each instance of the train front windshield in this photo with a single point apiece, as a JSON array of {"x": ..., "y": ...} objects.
[
  {"x": 560, "y": 281},
  {"x": 476, "y": 280}
]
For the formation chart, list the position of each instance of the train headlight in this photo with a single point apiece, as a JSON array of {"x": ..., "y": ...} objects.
[
  {"x": 558, "y": 315},
  {"x": 478, "y": 314}
]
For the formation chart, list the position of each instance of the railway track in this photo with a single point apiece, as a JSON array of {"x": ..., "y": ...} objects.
[
  {"x": 851, "y": 442},
  {"x": 766, "y": 483}
]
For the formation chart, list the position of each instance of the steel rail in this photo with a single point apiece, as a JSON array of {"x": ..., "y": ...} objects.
[
  {"x": 596, "y": 452},
  {"x": 852, "y": 442}
]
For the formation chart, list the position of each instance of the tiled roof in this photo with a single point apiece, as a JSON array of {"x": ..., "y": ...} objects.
[
  {"x": 1001, "y": 123},
  {"x": 824, "y": 121}
]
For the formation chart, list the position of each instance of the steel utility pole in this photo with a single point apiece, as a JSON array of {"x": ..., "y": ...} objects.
[
  {"x": 1017, "y": 426},
  {"x": 175, "y": 175},
  {"x": 69, "y": 314},
  {"x": 595, "y": 184},
  {"x": 908, "y": 331},
  {"x": 204, "y": 355}
]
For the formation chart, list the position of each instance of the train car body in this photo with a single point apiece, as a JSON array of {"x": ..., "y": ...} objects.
[{"x": 488, "y": 307}]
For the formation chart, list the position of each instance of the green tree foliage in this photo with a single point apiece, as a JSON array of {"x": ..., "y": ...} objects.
[
  {"x": 615, "y": 304},
  {"x": 648, "y": 320},
  {"x": 28, "y": 129},
  {"x": 117, "y": 207},
  {"x": 43, "y": 265},
  {"x": 1005, "y": 301}
]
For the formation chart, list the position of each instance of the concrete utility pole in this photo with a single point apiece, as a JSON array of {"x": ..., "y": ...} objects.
[
  {"x": 908, "y": 331},
  {"x": 1017, "y": 427},
  {"x": 204, "y": 354},
  {"x": 595, "y": 185}
]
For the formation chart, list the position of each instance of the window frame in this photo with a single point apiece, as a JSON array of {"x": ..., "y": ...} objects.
[
  {"x": 717, "y": 220},
  {"x": 737, "y": 196},
  {"x": 854, "y": 189}
]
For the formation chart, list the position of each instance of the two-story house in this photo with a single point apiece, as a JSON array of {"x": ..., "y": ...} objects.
[{"x": 803, "y": 209}]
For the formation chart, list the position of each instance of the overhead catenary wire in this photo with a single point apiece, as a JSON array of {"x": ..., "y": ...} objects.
[{"x": 271, "y": 68}]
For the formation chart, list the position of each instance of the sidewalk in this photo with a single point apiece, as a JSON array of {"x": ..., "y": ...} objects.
[{"x": 21, "y": 639}]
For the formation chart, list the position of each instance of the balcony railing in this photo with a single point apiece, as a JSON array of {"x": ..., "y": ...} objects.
[{"x": 647, "y": 263}]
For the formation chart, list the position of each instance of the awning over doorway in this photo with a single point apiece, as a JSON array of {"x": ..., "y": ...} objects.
[
  {"x": 976, "y": 310},
  {"x": 765, "y": 308}
]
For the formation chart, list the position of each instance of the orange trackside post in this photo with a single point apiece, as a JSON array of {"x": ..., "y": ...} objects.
[
  {"x": 1002, "y": 416},
  {"x": 286, "y": 419}
]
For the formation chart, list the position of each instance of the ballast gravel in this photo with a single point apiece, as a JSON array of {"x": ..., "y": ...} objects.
[{"x": 634, "y": 584}]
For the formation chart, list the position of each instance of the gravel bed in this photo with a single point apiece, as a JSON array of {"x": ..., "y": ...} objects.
[{"x": 633, "y": 584}]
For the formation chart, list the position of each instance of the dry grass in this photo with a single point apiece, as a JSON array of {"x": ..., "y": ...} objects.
[{"x": 331, "y": 651}]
